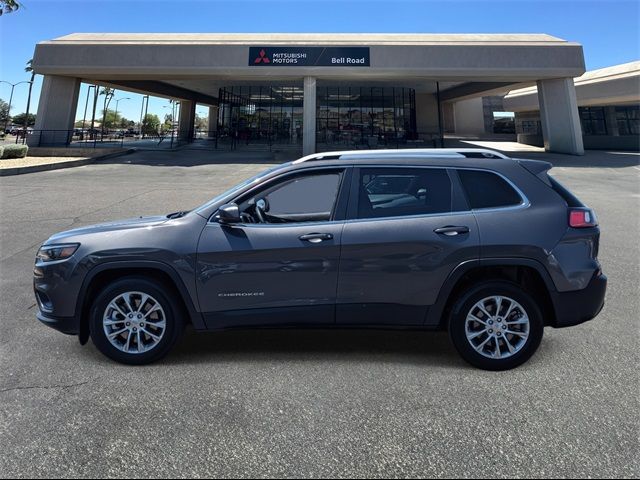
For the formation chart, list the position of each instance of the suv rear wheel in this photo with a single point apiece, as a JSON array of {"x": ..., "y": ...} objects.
[
  {"x": 135, "y": 320},
  {"x": 496, "y": 325}
]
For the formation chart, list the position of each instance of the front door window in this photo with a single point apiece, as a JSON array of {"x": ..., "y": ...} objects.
[{"x": 300, "y": 198}]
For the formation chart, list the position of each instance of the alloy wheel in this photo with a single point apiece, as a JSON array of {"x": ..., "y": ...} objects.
[
  {"x": 134, "y": 322},
  {"x": 497, "y": 327}
]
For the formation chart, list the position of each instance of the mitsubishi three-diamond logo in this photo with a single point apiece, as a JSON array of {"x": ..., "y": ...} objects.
[{"x": 262, "y": 58}]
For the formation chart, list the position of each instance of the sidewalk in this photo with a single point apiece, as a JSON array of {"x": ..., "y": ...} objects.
[{"x": 18, "y": 166}]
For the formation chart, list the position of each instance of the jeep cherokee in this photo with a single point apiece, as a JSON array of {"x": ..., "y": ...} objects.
[{"x": 489, "y": 247}]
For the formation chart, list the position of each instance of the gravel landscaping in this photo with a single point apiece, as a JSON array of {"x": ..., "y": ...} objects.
[{"x": 35, "y": 161}]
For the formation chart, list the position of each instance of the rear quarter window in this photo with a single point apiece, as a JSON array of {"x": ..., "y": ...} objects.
[
  {"x": 487, "y": 190},
  {"x": 567, "y": 196}
]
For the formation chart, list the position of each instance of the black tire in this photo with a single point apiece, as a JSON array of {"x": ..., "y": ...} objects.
[
  {"x": 463, "y": 306},
  {"x": 172, "y": 313}
]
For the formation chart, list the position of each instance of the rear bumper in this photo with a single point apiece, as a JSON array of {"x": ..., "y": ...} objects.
[
  {"x": 574, "y": 308},
  {"x": 68, "y": 325}
]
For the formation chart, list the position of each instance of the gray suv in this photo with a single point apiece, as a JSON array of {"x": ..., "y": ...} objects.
[{"x": 489, "y": 247}]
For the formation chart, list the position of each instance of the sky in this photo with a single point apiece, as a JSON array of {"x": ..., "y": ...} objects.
[{"x": 607, "y": 29}]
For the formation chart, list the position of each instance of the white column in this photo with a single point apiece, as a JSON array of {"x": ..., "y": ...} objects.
[
  {"x": 56, "y": 111},
  {"x": 187, "y": 120},
  {"x": 213, "y": 121},
  {"x": 559, "y": 116},
  {"x": 309, "y": 117}
]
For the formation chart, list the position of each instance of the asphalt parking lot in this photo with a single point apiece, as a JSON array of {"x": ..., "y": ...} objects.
[{"x": 308, "y": 403}]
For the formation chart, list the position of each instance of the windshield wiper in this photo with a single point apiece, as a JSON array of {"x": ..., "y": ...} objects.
[{"x": 182, "y": 213}]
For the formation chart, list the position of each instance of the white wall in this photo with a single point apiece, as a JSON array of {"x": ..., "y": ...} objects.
[
  {"x": 469, "y": 117},
  {"x": 426, "y": 113}
]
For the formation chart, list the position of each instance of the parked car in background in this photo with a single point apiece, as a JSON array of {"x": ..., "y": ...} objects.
[{"x": 21, "y": 133}]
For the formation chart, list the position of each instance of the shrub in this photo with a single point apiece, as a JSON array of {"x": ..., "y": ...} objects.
[{"x": 14, "y": 151}]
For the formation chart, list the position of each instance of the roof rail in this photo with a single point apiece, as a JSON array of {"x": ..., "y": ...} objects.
[{"x": 404, "y": 153}]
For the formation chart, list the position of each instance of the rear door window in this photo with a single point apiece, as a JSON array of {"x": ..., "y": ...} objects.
[
  {"x": 487, "y": 190},
  {"x": 396, "y": 192}
]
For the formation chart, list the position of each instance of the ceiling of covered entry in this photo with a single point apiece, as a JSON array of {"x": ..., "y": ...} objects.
[{"x": 211, "y": 87}]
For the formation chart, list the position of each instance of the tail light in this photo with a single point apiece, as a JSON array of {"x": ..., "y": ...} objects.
[{"x": 582, "y": 218}]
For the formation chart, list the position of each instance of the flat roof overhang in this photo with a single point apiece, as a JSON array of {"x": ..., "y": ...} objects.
[
  {"x": 199, "y": 63},
  {"x": 616, "y": 85}
]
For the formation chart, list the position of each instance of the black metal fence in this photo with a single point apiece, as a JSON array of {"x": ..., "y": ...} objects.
[
  {"x": 345, "y": 140},
  {"x": 96, "y": 139},
  {"x": 223, "y": 140}
]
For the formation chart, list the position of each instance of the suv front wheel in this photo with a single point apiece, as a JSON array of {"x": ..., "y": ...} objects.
[
  {"x": 135, "y": 320},
  {"x": 496, "y": 325}
]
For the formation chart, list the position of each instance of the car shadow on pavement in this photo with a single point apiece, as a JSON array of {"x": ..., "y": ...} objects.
[{"x": 397, "y": 346}]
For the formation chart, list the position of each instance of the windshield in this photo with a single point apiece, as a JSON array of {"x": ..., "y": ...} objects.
[{"x": 238, "y": 187}]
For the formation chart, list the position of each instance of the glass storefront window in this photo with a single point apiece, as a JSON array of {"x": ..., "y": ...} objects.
[
  {"x": 628, "y": 118},
  {"x": 531, "y": 127},
  {"x": 592, "y": 120},
  {"x": 367, "y": 117},
  {"x": 345, "y": 115},
  {"x": 260, "y": 114}
]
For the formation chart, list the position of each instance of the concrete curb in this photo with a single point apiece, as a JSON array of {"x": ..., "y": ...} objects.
[{"x": 5, "y": 172}]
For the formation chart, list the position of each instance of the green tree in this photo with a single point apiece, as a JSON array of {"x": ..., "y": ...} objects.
[
  {"x": 4, "y": 112},
  {"x": 150, "y": 124},
  {"x": 108, "y": 96},
  {"x": 168, "y": 122},
  {"x": 21, "y": 119},
  {"x": 29, "y": 69},
  {"x": 202, "y": 123},
  {"x": 111, "y": 120},
  {"x": 8, "y": 6}
]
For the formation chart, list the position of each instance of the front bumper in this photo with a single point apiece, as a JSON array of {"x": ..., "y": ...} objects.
[
  {"x": 574, "y": 308},
  {"x": 67, "y": 325}
]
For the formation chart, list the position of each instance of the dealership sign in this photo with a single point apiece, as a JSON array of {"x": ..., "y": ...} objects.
[{"x": 309, "y": 56}]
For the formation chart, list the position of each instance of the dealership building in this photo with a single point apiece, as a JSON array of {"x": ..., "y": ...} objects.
[
  {"x": 608, "y": 107},
  {"x": 318, "y": 91}
]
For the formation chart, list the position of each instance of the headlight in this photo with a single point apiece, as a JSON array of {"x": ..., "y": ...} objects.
[{"x": 49, "y": 253}]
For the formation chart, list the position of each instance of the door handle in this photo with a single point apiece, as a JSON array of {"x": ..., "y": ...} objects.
[
  {"x": 315, "y": 237},
  {"x": 451, "y": 231}
]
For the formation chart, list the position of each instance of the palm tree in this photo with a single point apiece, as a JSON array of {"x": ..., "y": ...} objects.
[
  {"x": 8, "y": 6},
  {"x": 108, "y": 95},
  {"x": 29, "y": 69}
]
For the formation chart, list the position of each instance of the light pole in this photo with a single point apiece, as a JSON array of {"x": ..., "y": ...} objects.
[
  {"x": 172, "y": 106},
  {"x": 175, "y": 103},
  {"x": 93, "y": 115},
  {"x": 86, "y": 104},
  {"x": 116, "y": 118},
  {"x": 201, "y": 115},
  {"x": 13, "y": 85},
  {"x": 144, "y": 99},
  {"x": 123, "y": 98}
]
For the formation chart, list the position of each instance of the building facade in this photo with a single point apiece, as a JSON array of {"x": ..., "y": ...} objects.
[
  {"x": 318, "y": 91},
  {"x": 608, "y": 107}
]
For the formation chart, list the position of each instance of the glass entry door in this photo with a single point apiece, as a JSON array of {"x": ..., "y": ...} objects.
[
  {"x": 365, "y": 117},
  {"x": 249, "y": 115}
]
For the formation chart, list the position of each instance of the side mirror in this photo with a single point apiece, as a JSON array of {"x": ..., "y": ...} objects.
[{"x": 228, "y": 213}]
